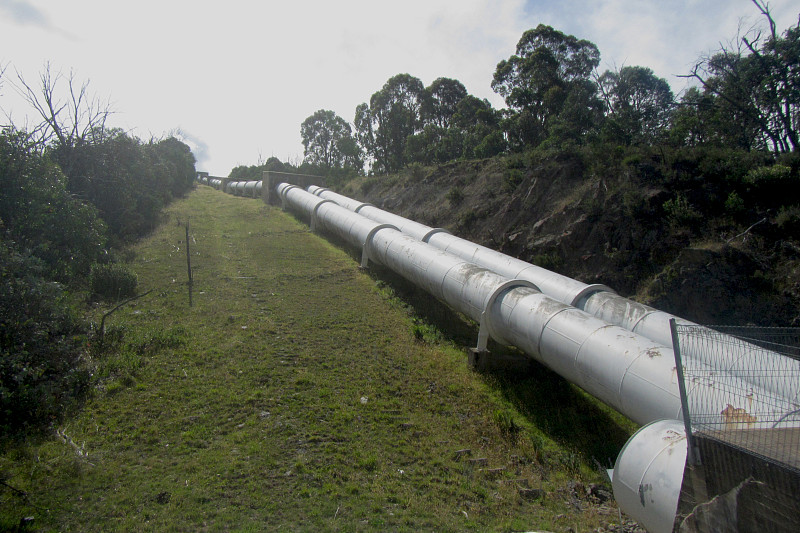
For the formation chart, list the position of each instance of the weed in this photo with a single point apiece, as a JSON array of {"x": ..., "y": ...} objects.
[
  {"x": 112, "y": 282},
  {"x": 550, "y": 261},
  {"x": 513, "y": 178},
  {"x": 416, "y": 172},
  {"x": 788, "y": 219},
  {"x": 505, "y": 422},
  {"x": 734, "y": 204},
  {"x": 368, "y": 184}
]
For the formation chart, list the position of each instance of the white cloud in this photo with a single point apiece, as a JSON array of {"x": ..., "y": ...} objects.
[{"x": 24, "y": 13}]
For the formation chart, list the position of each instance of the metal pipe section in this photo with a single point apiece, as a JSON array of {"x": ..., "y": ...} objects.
[
  {"x": 631, "y": 373},
  {"x": 597, "y": 300},
  {"x": 628, "y": 371},
  {"x": 562, "y": 288},
  {"x": 648, "y": 474}
]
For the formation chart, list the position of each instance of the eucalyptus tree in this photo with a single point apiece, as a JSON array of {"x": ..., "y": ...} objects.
[
  {"x": 537, "y": 81},
  {"x": 394, "y": 113},
  {"x": 70, "y": 115},
  {"x": 444, "y": 94},
  {"x": 692, "y": 118},
  {"x": 480, "y": 124},
  {"x": 755, "y": 84},
  {"x": 328, "y": 142},
  {"x": 638, "y": 104}
]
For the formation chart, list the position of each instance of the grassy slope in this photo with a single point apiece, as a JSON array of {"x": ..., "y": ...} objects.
[{"x": 295, "y": 395}]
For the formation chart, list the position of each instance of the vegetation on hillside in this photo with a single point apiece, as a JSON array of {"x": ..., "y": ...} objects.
[
  {"x": 608, "y": 177},
  {"x": 645, "y": 174},
  {"x": 73, "y": 192}
]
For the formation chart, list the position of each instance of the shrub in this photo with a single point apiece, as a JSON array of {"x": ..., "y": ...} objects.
[
  {"x": 491, "y": 145},
  {"x": 768, "y": 174},
  {"x": 368, "y": 184},
  {"x": 772, "y": 186},
  {"x": 634, "y": 203},
  {"x": 788, "y": 220},
  {"x": 513, "y": 178},
  {"x": 112, "y": 282},
  {"x": 455, "y": 195},
  {"x": 549, "y": 261},
  {"x": 506, "y": 423},
  {"x": 680, "y": 212},
  {"x": 42, "y": 373},
  {"x": 41, "y": 216},
  {"x": 416, "y": 172},
  {"x": 734, "y": 204}
]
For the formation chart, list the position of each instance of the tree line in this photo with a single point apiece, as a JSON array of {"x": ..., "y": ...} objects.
[
  {"x": 747, "y": 98},
  {"x": 73, "y": 191}
]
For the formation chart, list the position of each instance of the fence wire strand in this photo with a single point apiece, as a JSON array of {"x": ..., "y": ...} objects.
[{"x": 764, "y": 363}]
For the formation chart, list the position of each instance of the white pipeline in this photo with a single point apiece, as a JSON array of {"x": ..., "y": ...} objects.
[
  {"x": 632, "y": 373},
  {"x": 531, "y": 308},
  {"x": 597, "y": 300}
]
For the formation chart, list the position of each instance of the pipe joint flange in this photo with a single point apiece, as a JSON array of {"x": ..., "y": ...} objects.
[
  {"x": 317, "y": 190},
  {"x": 633, "y": 327},
  {"x": 314, "y": 213},
  {"x": 485, "y": 325},
  {"x": 368, "y": 242},
  {"x": 433, "y": 232},
  {"x": 365, "y": 204},
  {"x": 579, "y": 300},
  {"x": 283, "y": 191}
]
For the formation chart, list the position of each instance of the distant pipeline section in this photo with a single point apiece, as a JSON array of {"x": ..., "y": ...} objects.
[{"x": 586, "y": 333}]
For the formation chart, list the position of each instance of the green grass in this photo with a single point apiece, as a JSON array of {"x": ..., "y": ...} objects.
[{"x": 300, "y": 393}]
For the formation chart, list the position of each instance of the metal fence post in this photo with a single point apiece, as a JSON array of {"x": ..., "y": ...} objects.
[{"x": 692, "y": 456}]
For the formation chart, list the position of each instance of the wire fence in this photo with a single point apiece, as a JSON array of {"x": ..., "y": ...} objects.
[{"x": 750, "y": 393}]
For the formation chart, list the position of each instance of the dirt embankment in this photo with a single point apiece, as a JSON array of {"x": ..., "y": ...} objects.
[{"x": 611, "y": 230}]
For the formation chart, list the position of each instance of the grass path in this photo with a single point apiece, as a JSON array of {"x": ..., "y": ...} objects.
[{"x": 293, "y": 396}]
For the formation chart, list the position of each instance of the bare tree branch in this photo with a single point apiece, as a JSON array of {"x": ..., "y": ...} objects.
[
  {"x": 70, "y": 119},
  {"x": 751, "y": 76},
  {"x": 763, "y": 7}
]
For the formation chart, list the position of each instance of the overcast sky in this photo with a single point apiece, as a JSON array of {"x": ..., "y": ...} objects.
[{"x": 239, "y": 77}]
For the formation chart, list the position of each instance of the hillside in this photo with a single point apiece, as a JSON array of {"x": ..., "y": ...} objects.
[
  {"x": 662, "y": 239},
  {"x": 302, "y": 393}
]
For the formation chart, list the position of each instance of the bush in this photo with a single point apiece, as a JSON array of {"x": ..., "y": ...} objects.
[
  {"x": 42, "y": 373},
  {"x": 513, "y": 178},
  {"x": 788, "y": 220},
  {"x": 491, "y": 145},
  {"x": 734, "y": 204},
  {"x": 680, "y": 212},
  {"x": 506, "y": 423},
  {"x": 549, "y": 261},
  {"x": 455, "y": 195},
  {"x": 112, "y": 282},
  {"x": 368, "y": 184},
  {"x": 416, "y": 172},
  {"x": 41, "y": 216},
  {"x": 768, "y": 175}
]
